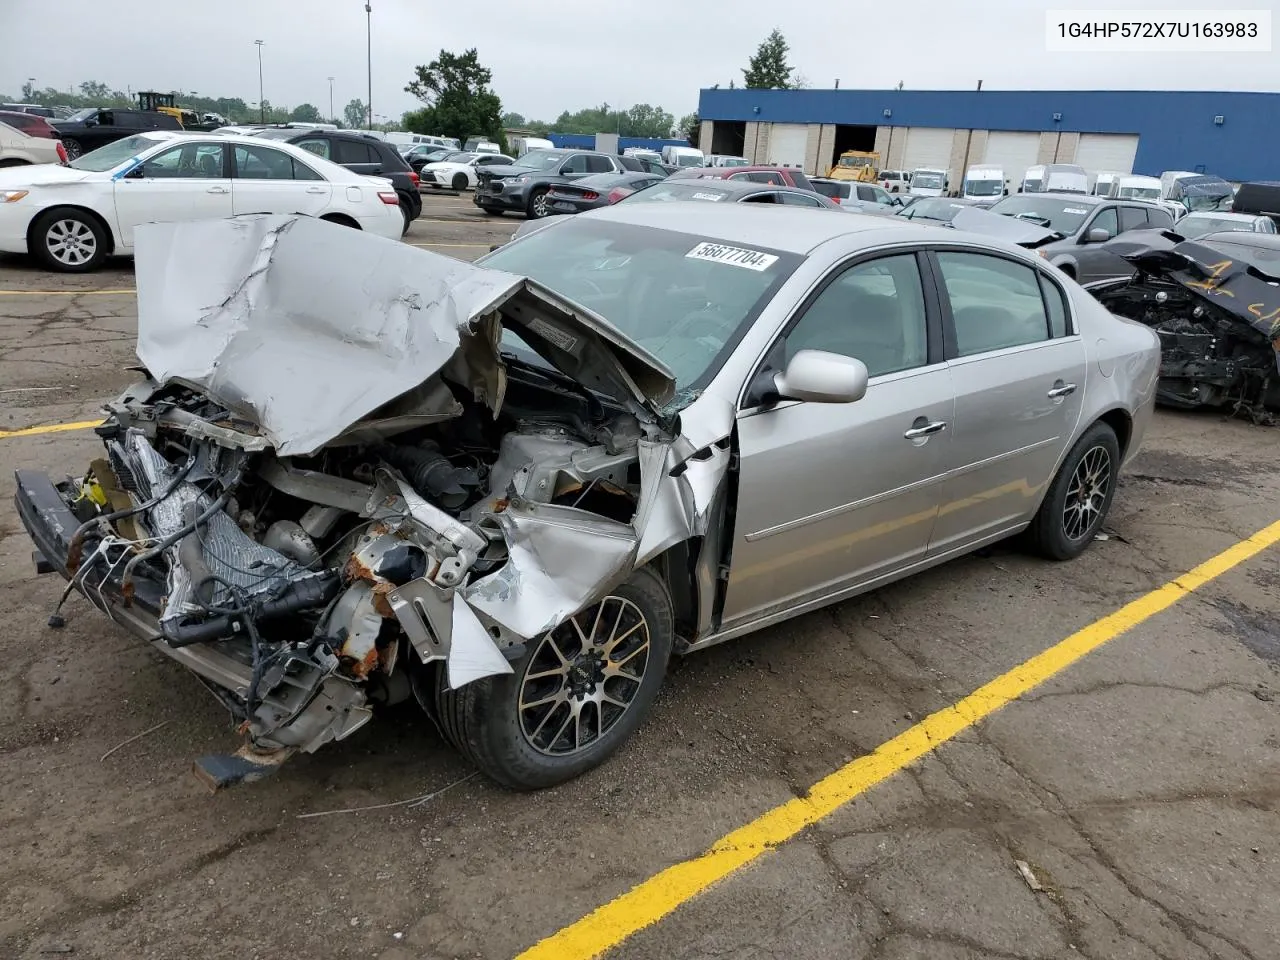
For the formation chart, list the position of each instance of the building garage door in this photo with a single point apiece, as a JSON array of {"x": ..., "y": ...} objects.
[
  {"x": 787, "y": 143},
  {"x": 928, "y": 147},
  {"x": 1107, "y": 152},
  {"x": 1012, "y": 152}
]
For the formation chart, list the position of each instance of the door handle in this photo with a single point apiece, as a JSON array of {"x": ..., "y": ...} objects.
[
  {"x": 218, "y": 190},
  {"x": 1061, "y": 390},
  {"x": 923, "y": 427},
  {"x": 315, "y": 189}
]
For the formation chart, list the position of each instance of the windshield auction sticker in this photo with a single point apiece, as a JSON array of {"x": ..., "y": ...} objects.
[{"x": 734, "y": 256}]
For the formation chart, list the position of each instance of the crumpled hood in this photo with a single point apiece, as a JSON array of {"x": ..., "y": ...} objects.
[
  {"x": 1022, "y": 232},
  {"x": 40, "y": 175},
  {"x": 307, "y": 329}
]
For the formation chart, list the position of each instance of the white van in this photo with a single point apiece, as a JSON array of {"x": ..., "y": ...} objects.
[
  {"x": 1104, "y": 184},
  {"x": 522, "y": 145},
  {"x": 984, "y": 183},
  {"x": 927, "y": 182},
  {"x": 1055, "y": 178},
  {"x": 683, "y": 157}
]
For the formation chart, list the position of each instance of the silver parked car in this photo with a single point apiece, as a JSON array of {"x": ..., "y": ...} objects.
[{"x": 360, "y": 472}]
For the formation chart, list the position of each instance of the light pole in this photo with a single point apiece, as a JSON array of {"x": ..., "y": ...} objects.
[
  {"x": 331, "y": 113},
  {"x": 368, "y": 20},
  {"x": 262, "y": 110}
]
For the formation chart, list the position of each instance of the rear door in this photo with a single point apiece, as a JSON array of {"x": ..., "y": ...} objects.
[
  {"x": 267, "y": 180},
  {"x": 1018, "y": 368},
  {"x": 188, "y": 181}
]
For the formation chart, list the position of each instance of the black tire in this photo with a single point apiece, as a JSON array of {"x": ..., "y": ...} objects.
[
  {"x": 493, "y": 211},
  {"x": 1059, "y": 534},
  {"x": 68, "y": 240},
  {"x": 537, "y": 208},
  {"x": 459, "y": 182},
  {"x": 485, "y": 722},
  {"x": 72, "y": 146},
  {"x": 408, "y": 216}
]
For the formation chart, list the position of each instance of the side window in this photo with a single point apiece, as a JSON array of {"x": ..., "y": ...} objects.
[
  {"x": 1055, "y": 302},
  {"x": 874, "y": 312},
  {"x": 199, "y": 161},
  {"x": 263, "y": 163},
  {"x": 1106, "y": 220},
  {"x": 107, "y": 118},
  {"x": 597, "y": 164},
  {"x": 995, "y": 303},
  {"x": 866, "y": 193},
  {"x": 881, "y": 196},
  {"x": 319, "y": 146},
  {"x": 1132, "y": 218},
  {"x": 766, "y": 197},
  {"x": 575, "y": 164},
  {"x": 763, "y": 176},
  {"x": 799, "y": 199},
  {"x": 349, "y": 151},
  {"x": 1160, "y": 219},
  {"x": 303, "y": 172}
]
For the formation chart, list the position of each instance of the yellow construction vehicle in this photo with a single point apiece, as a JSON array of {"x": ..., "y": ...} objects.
[
  {"x": 856, "y": 165},
  {"x": 164, "y": 103}
]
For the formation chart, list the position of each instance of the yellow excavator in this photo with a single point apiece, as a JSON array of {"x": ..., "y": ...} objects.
[
  {"x": 164, "y": 103},
  {"x": 856, "y": 165}
]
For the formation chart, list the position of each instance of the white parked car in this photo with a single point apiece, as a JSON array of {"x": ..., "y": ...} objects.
[
  {"x": 20, "y": 149},
  {"x": 77, "y": 215},
  {"x": 457, "y": 171}
]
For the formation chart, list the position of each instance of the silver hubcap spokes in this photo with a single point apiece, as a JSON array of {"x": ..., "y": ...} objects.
[
  {"x": 73, "y": 149},
  {"x": 1087, "y": 494},
  {"x": 583, "y": 677},
  {"x": 71, "y": 242},
  {"x": 540, "y": 205}
]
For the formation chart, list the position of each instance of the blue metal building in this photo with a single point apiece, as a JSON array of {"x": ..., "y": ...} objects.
[{"x": 1235, "y": 135}]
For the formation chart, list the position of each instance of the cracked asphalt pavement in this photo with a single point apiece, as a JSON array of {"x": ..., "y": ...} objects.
[{"x": 1140, "y": 787}]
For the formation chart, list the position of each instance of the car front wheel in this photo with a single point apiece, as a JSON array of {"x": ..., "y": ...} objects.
[
  {"x": 68, "y": 241},
  {"x": 538, "y": 205},
  {"x": 1079, "y": 497},
  {"x": 574, "y": 697},
  {"x": 72, "y": 147}
]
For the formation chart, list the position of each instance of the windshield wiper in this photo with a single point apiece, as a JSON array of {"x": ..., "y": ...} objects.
[{"x": 556, "y": 376}]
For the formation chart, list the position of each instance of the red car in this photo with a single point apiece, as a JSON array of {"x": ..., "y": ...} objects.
[
  {"x": 29, "y": 123},
  {"x": 781, "y": 176}
]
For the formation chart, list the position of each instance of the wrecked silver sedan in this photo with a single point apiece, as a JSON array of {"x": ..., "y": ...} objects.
[{"x": 358, "y": 472}]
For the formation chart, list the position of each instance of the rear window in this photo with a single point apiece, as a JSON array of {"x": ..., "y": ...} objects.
[{"x": 667, "y": 190}]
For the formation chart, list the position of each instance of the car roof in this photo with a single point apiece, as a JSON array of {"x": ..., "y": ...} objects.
[
  {"x": 733, "y": 186},
  {"x": 1242, "y": 238},
  {"x": 790, "y": 229}
]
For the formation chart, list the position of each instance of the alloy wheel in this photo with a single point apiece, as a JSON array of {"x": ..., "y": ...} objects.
[
  {"x": 71, "y": 242},
  {"x": 583, "y": 676},
  {"x": 540, "y": 205},
  {"x": 1087, "y": 493},
  {"x": 73, "y": 148}
]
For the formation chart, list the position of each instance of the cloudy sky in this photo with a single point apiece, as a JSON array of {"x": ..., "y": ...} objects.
[{"x": 628, "y": 51}]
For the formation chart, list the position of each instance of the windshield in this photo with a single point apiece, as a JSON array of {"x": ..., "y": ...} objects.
[
  {"x": 1139, "y": 193},
  {"x": 855, "y": 161},
  {"x": 983, "y": 188},
  {"x": 1061, "y": 216},
  {"x": 1197, "y": 225},
  {"x": 683, "y": 298},
  {"x": 539, "y": 159},
  {"x": 674, "y": 190},
  {"x": 733, "y": 162},
  {"x": 456, "y": 158},
  {"x": 932, "y": 208},
  {"x": 84, "y": 114},
  {"x": 1206, "y": 202},
  {"x": 927, "y": 181},
  {"x": 112, "y": 155},
  {"x": 688, "y": 160}
]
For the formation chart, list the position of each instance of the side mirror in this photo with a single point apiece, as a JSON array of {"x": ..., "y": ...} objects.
[
  {"x": 1098, "y": 235},
  {"x": 821, "y": 377}
]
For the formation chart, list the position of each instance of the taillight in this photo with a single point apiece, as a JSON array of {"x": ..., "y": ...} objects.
[
  {"x": 617, "y": 193},
  {"x": 62, "y": 152},
  {"x": 414, "y": 178},
  {"x": 590, "y": 195},
  {"x": 389, "y": 197}
]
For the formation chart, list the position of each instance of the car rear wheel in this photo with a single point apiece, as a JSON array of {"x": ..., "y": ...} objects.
[
  {"x": 574, "y": 697},
  {"x": 1079, "y": 497},
  {"x": 68, "y": 241},
  {"x": 407, "y": 212},
  {"x": 538, "y": 205},
  {"x": 459, "y": 182},
  {"x": 72, "y": 147}
]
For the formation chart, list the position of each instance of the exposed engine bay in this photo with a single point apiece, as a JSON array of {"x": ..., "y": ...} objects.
[{"x": 1218, "y": 319}]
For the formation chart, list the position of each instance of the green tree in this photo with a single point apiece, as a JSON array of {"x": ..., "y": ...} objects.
[
  {"x": 768, "y": 69},
  {"x": 643, "y": 120},
  {"x": 28, "y": 91},
  {"x": 305, "y": 113},
  {"x": 514, "y": 120},
  {"x": 459, "y": 102},
  {"x": 92, "y": 90},
  {"x": 689, "y": 127},
  {"x": 353, "y": 114}
]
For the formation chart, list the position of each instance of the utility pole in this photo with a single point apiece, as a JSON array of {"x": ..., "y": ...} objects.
[
  {"x": 331, "y": 113},
  {"x": 262, "y": 110},
  {"x": 368, "y": 19}
]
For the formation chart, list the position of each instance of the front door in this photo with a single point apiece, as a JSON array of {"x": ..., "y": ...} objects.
[
  {"x": 185, "y": 182},
  {"x": 1019, "y": 374},
  {"x": 834, "y": 495},
  {"x": 268, "y": 180}
]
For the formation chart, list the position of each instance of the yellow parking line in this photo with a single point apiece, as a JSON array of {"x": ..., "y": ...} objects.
[
  {"x": 65, "y": 293},
  {"x": 662, "y": 893},
  {"x": 50, "y": 428}
]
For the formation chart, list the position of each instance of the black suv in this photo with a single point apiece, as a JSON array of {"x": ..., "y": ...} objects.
[
  {"x": 359, "y": 153},
  {"x": 92, "y": 127},
  {"x": 523, "y": 186}
]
